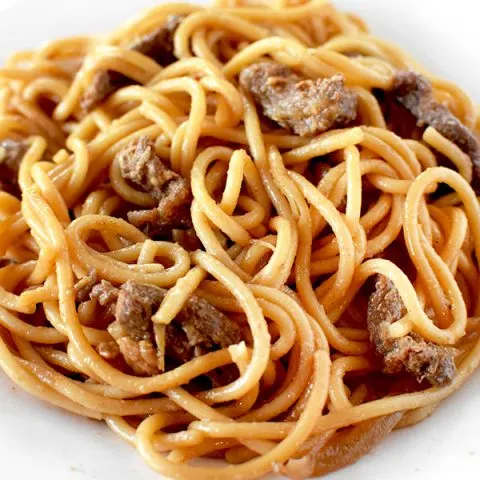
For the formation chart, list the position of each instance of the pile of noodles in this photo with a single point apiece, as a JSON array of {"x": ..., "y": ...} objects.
[{"x": 279, "y": 255}]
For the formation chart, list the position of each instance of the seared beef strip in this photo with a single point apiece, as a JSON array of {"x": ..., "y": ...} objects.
[
  {"x": 197, "y": 329},
  {"x": 140, "y": 164},
  {"x": 415, "y": 93},
  {"x": 421, "y": 358},
  {"x": 11, "y": 154},
  {"x": 308, "y": 107},
  {"x": 157, "y": 45}
]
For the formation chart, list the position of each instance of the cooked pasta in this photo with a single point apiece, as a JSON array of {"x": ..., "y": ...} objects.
[{"x": 247, "y": 232}]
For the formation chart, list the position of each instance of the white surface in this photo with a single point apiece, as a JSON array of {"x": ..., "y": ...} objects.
[{"x": 42, "y": 443}]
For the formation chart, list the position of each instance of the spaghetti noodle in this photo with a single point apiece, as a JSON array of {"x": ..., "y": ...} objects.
[{"x": 247, "y": 232}]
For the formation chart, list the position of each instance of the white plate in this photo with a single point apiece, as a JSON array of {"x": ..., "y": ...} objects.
[{"x": 40, "y": 442}]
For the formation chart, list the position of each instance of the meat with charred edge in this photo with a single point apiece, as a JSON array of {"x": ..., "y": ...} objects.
[
  {"x": 11, "y": 154},
  {"x": 421, "y": 358},
  {"x": 308, "y": 107},
  {"x": 415, "y": 93},
  {"x": 140, "y": 164},
  {"x": 198, "y": 328},
  {"x": 157, "y": 45}
]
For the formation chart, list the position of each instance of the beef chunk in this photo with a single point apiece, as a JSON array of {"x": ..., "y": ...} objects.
[
  {"x": 197, "y": 329},
  {"x": 177, "y": 346},
  {"x": 421, "y": 358},
  {"x": 11, "y": 154},
  {"x": 398, "y": 119},
  {"x": 187, "y": 239},
  {"x": 415, "y": 93},
  {"x": 83, "y": 288},
  {"x": 135, "y": 306},
  {"x": 157, "y": 45},
  {"x": 105, "y": 294},
  {"x": 140, "y": 164},
  {"x": 308, "y": 107},
  {"x": 206, "y": 326},
  {"x": 104, "y": 83},
  {"x": 141, "y": 355}
]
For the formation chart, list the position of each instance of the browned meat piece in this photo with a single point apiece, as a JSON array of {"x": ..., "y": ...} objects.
[
  {"x": 83, "y": 288},
  {"x": 398, "y": 119},
  {"x": 140, "y": 164},
  {"x": 141, "y": 355},
  {"x": 104, "y": 83},
  {"x": 135, "y": 306},
  {"x": 11, "y": 154},
  {"x": 308, "y": 107},
  {"x": 157, "y": 45},
  {"x": 421, "y": 358},
  {"x": 415, "y": 93},
  {"x": 197, "y": 329},
  {"x": 188, "y": 239},
  {"x": 207, "y": 326},
  {"x": 177, "y": 346},
  {"x": 105, "y": 293},
  {"x": 133, "y": 328}
]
